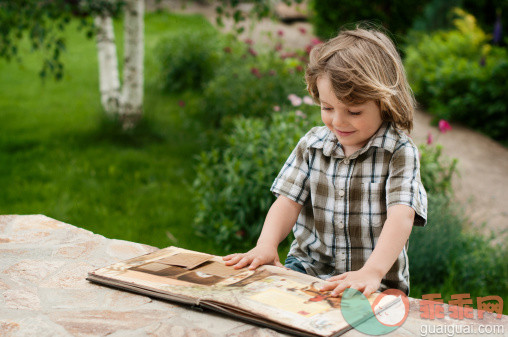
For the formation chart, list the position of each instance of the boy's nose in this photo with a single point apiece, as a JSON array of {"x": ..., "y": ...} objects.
[{"x": 338, "y": 119}]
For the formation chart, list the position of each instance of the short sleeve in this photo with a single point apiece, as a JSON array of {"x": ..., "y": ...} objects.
[
  {"x": 404, "y": 185},
  {"x": 293, "y": 179}
]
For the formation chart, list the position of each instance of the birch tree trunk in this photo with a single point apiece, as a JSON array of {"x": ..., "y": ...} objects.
[
  {"x": 125, "y": 102},
  {"x": 109, "y": 82},
  {"x": 131, "y": 99}
]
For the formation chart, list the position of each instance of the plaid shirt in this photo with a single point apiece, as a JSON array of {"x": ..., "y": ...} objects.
[{"x": 345, "y": 199}]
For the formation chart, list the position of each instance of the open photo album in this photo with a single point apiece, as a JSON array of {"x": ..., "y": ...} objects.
[{"x": 270, "y": 296}]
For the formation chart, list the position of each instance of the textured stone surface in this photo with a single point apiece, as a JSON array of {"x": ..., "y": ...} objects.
[
  {"x": 43, "y": 291},
  {"x": 22, "y": 299}
]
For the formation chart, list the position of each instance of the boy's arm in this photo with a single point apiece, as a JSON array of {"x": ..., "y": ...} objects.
[
  {"x": 278, "y": 223},
  {"x": 392, "y": 239}
]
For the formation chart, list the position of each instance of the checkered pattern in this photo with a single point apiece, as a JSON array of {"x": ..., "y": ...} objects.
[{"x": 345, "y": 199}]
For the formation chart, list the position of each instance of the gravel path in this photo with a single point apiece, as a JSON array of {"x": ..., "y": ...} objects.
[{"x": 481, "y": 187}]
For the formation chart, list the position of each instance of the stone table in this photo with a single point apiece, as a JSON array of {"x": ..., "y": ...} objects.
[{"x": 44, "y": 263}]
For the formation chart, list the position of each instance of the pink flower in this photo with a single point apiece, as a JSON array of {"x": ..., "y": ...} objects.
[
  {"x": 253, "y": 52},
  {"x": 181, "y": 103},
  {"x": 429, "y": 138},
  {"x": 444, "y": 126},
  {"x": 299, "y": 113},
  {"x": 302, "y": 30},
  {"x": 295, "y": 100},
  {"x": 249, "y": 41},
  {"x": 255, "y": 72},
  {"x": 276, "y": 108},
  {"x": 286, "y": 55},
  {"x": 227, "y": 50},
  {"x": 280, "y": 33},
  {"x": 278, "y": 47},
  {"x": 308, "y": 100},
  {"x": 299, "y": 68},
  {"x": 272, "y": 72},
  {"x": 315, "y": 41}
]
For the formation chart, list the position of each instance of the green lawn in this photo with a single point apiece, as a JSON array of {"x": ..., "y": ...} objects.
[{"x": 60, "y": 157}]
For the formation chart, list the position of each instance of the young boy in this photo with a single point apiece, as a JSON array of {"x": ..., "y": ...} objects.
[{"x": 350, "y": 190}]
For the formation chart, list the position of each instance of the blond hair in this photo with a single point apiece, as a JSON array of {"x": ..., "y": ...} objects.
[{"x": 362, "y": 65}]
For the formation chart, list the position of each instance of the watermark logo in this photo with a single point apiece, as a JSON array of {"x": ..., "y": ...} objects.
[
  {"x": 386, "y": 314},
  {"x": 460, "y": 306},
  {"x": 391, "y": 308}
]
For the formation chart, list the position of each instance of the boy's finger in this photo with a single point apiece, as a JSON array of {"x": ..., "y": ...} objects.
[
  {"x": 243, "y": 262},
  {"x": 328, "y": 285},
  {"x": 359, "y": 287},
  {"x": 340, "y": 288},
  {"x": 278, "y": 264},
  {"x": 234, "y": 259},
  {"x": 369, "y": 290},
  {"x": 337, "y": 277},
  {"x": 255, "y": 263}
]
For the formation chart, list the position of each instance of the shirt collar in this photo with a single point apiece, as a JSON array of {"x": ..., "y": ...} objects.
[{"x": 386, "y": 137}]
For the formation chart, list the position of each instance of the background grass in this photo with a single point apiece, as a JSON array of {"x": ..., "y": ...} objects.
[{"x": 61, "y": 157}]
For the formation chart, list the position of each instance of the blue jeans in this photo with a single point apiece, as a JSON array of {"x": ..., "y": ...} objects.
[{"x": 293, "y": 264}]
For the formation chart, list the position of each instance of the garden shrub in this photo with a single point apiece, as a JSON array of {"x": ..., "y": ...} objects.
[
  {"x": 397, "y": 16},
  {"x": 437, "y": 14},
  {"x": 187, "y": 59},
  {"x": 488, "y": 12},
  {"x": 460, "y": 77},
  {"x": 436, "y": 172},
  {"x": 232, "y": 188},
  {"x": 251, "y": 84},
  {"x": 446, "y": 259}
]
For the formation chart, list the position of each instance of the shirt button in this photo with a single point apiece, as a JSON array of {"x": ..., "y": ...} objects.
[
  {"x": 341, "y": 224},
  {"x": 343, "y": 256},
  {"x": 346, "y": 161},
  {"x": 341, "y": 193}
]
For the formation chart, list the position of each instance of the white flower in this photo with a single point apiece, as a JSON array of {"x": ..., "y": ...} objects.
[
  {"x": 308, "y": 100},
  {"x": 295, "y": 100}
]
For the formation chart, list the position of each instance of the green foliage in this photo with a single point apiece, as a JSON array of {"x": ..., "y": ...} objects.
[
  {"x": 44, "y": 22},
  {"x": 397, "y": 16},
  {"x": 232, "y": 188},
  {"x": 446, "y": 259},
  {"x": 60, "y": 157},
  {"x": 460, "y": 77},
  {"x": 487, "y": 12},
  {"x": 436, "y": 172},
  {"x": 188, "y": 59},
  {"x": 260, "y": 9},
  {"x": 250, "y": 84},
  {"x": 231, "y": 191},
  {"x": 437, "y": 14}
]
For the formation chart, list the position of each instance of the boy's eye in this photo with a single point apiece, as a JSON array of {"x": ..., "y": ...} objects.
[
  {"x": 355, "y": 113},
  {"x": 325, "y": 108}
]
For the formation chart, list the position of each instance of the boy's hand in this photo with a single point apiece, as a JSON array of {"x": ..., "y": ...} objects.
[
  {"x": 363, "y": 280},
  {"x": 257, "y": 256}
]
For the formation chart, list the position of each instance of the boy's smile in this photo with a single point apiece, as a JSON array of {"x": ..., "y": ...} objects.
[{"x": 353, "y": 125}]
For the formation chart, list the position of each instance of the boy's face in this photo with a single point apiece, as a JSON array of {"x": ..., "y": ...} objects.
[{"x": 353, "y": 125}]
